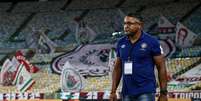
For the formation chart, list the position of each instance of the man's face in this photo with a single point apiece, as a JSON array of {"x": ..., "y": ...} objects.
[{"x": 131, "y": 25}]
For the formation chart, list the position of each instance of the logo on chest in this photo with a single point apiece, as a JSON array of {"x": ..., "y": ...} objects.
[
  {"x": 123, "y": 46},
  {"x": 143, "y": 46}
]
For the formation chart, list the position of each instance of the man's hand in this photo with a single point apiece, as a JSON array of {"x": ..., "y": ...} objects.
[
  {"x": 113, "y": 97},
  {"x": 163, "y": 98}
]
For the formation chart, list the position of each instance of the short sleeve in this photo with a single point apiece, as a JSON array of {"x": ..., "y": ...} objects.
[
  {"x": 117, "y": 50},
  {"x": 156, "y": 48}
]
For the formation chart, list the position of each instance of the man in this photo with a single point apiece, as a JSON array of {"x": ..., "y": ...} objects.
[{"x": 137, "y": 55}]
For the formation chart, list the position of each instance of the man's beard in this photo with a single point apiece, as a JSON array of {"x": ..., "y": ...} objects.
[{"x": 129, "y": 33}]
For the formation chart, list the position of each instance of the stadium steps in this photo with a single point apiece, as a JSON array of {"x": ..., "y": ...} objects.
[
  {"x": 121, "y": 2},
  {"x": 11, "y": 7},
  {"x": 66, "y": 4},
  {"x": 153, "y": 26},
  {"x": 62, "y": 36},
  {"x": 82, "y": 15},
  {"x": 186, "y": 69},
  {"x": 22, "y": 26},
  {"x": 190, "y": 12}
]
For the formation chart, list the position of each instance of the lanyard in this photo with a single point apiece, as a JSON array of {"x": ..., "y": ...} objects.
[{"x": 130, "y": 53}]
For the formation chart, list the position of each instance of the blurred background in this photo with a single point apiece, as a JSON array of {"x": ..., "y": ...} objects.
[{"x": 49, "y": 48}]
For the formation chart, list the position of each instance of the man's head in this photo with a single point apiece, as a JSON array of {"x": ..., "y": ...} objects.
[{"x": 132, "y": 24}]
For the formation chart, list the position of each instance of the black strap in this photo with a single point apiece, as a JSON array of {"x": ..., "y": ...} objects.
[{"x": 130, "y": 53}]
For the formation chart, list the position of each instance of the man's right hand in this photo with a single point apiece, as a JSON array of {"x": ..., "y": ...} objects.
[{"x": 113, "y": 97}]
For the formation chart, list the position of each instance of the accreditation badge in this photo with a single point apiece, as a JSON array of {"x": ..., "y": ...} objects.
[{"x": 128, "y": 66}]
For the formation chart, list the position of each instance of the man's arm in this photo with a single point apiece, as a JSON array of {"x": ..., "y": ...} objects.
[
  {"x": 162, "y": 73},
  {"x": 116, "y": 75}
]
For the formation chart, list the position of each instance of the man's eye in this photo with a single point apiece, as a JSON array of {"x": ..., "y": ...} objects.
[{"x": 130, "y": 23}]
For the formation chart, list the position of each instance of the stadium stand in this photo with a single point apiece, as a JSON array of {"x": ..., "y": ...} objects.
[
  {"x": 60, "y": 21},
  {"x": 188, "y": 52},
  {"x": 30, "y": 7},
  {"x": 176, "y": 65},
  {"x": 175, "y": 11},
  {"x": 4, "y": 6},
  {"x": 43, "y": 21},
  {"x": 193, "y": 21},
  {"x": 9, "y": 23},
  {"x": 92, "y": 4}
]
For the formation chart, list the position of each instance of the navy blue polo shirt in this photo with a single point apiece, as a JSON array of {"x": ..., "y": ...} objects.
[{"x": 141, "y": 53}]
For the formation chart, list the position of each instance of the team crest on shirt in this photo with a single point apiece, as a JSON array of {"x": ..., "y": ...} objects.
[
  {"x": 123, "y": 46},
  {"x": 143, "y": 46}
]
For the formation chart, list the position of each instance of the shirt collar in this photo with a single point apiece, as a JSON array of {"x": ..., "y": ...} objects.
[{"x": 142, "y": 35}]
